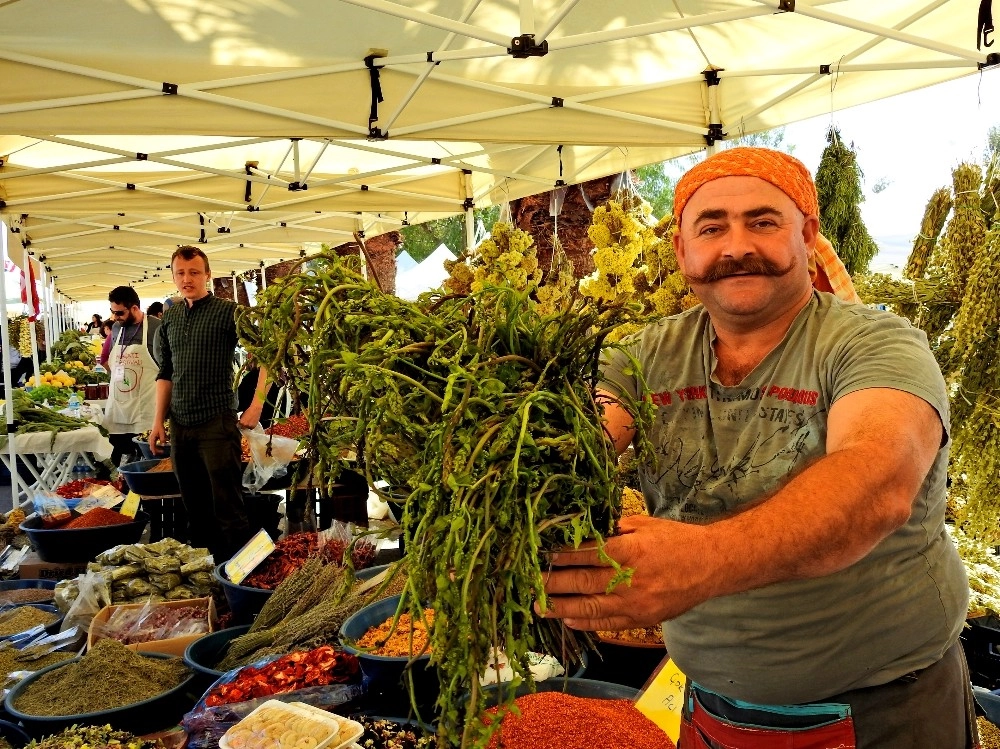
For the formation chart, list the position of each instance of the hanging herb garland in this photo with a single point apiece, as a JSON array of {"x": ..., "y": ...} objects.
[{"x": 838, "y": 182}]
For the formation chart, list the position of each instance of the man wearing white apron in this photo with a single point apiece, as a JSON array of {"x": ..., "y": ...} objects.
[{"x": 132, "y": 395}]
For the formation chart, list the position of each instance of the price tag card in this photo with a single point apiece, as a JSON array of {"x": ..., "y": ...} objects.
[
  {"x": 131, "y": 506},
  {"x": 246, "y": 559},
  {"x": 663, "y": 699},
  {"x": 104, "y": 495}
]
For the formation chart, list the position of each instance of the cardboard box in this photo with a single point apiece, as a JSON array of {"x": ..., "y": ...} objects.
[
  {"x": 32, "y": 567},
  {"x": 172, "y": 646}
]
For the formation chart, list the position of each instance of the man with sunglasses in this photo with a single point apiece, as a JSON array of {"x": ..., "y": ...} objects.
[{"x": 132, "y": 363}]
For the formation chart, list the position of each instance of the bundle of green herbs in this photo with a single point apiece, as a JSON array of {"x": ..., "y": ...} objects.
[{"x": 480, "y": 412}]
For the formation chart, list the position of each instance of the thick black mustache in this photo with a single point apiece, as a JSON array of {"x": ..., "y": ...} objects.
[{"x": 748, "y": 265}]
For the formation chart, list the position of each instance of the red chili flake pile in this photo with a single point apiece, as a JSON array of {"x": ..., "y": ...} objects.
[
  {"x": 312, "y": 668},
  {"x": 553, "y": 720},
  {"x": 99, "y": 516},
  {"x": 292, "y": 426},
  {"x": 75, "y": 489},
  {"x": 292, "y": 552}
]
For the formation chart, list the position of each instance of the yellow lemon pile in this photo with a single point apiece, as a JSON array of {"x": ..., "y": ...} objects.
[{"x": 60, "y": 380}]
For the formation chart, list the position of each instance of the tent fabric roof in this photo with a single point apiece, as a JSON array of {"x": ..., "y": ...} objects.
[{"x": 251, "y": 127}]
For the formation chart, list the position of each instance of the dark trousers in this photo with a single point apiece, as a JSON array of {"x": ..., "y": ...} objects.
[
  {"x": 206, "y": 461},
  {"x": 122, "y": 444}
]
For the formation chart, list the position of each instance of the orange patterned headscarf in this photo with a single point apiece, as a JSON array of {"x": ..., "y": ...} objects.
[{"x": 790, "y": 176}]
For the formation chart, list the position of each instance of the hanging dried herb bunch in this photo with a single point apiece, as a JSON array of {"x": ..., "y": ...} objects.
[
  {"x": 963, "y": 239},
  {"x": 838, "y": 182}
]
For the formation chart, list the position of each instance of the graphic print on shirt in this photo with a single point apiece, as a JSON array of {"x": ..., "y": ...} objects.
[{"x": 754, "y": 439}]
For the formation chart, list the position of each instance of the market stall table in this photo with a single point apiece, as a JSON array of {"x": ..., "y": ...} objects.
[{"x": 51, "y": 462}]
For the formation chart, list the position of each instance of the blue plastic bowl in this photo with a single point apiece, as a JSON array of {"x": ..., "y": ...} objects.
[
  {"x": 245, "y": 602},
  {"x": 989, "y": 702},
  {"x": 206, "y": 651},
  {"x": 49, "y": 628},
  {"x": 147, "y": 452},
  {"x": 602, "y": 690},
  {"x": 31, "y": 583},
  {"x": 81, "y": 544},
  {"x": 381, "y": 669},
  {"x": 158, "y": 484},
  {"x": 14, "y": 735},
  {"x": 161, "y": 711}
]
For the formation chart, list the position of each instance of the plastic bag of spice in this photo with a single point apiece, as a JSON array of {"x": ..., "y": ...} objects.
[
  {"x": 270, "y": 456},
  {"x": 52, "y": 509},
  {"x": 94, "y": 594}
]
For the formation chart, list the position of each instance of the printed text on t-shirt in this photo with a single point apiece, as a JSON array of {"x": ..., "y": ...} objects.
[{"x": 700, "y": 392}]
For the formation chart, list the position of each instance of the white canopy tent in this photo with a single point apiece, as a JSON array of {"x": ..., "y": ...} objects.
[
  {"x": 129, "y": 128},
  {"x": 428, "y": 274}
]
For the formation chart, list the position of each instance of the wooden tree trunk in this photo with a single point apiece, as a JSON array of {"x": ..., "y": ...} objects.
[{"x": 531, "y": 214}]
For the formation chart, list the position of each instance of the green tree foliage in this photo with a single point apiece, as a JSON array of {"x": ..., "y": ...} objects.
[
  {"x": 420, "y": 240},
  {"x": 656, "y": 181}
]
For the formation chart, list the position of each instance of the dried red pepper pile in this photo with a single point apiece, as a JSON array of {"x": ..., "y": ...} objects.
[
  {"x": 553, "y": 720},
  {"x": 292, "y": 552},
  {"x": 75, "y": 489},
  {"x": 293, "y": 427},
  {"x": 313, "y": 668},
  {"x": 99, "y": 516}
]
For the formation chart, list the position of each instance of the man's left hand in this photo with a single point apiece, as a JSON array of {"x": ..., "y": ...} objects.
[{"x": 665, "y": 583}]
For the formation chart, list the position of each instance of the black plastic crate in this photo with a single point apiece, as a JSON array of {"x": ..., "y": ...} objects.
[{"x": 981, "y": 642}]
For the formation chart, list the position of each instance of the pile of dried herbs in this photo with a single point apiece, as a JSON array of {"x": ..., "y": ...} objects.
[
  {"x": 480, "y": 413},
  {"x": 107, "y": 677}
]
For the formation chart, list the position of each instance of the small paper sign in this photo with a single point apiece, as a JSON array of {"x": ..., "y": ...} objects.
[
  {"x": 131, "y": 505},
  {"x": 663, "y": 699},
  {"x": 105, "y": 496},
  {"x": 246, "y": 559}
]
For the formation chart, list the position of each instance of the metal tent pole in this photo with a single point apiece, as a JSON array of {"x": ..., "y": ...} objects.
[{"x": 8, "y": 386}]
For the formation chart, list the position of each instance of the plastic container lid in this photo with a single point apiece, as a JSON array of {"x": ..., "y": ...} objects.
[{"x": 281, "y": 725}]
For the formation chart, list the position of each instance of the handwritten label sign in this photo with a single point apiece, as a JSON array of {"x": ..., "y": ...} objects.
[
  {"x": 131, "y": 506},
  {"x": 246, "y": 559},
  {"x": 663, "y": 699},
  {"x": 103, "y": 496}
]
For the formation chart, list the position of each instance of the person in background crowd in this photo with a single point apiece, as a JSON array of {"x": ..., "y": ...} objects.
[
  {"x": 94, "y": 326},
  {"x": 132, "y": 363},
  {"x": 106, "y": 331},
  {"x": 194, "y": 388},
  {"x": 155, "y": 310},
  {"x": 796, "y": 554},
  {"x": 21, "y": 368}
]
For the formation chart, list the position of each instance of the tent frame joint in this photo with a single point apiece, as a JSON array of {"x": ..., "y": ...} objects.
[
  {"x": 712, "y": 76},
  {"x": 992, "y": 60},
  {"x": 524, "y": 46},
  {"x": 786, "y": 6},
  {"x": 297, "y": 186},
  {"x": 375, "y": 133},
  {"x": 170, "y": 89},
  {"x": 714, "y": 133}
]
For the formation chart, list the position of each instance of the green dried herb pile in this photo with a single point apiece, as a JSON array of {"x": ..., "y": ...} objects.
[
  {"x": 108, "y": 676},
  {"x": 23, "y": 618}
]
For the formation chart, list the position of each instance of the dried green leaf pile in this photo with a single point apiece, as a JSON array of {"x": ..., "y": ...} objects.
[{"x": 480, "y": 413}]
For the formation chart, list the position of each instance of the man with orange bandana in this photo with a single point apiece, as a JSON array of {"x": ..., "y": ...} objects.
[{"x": 796, "y": 551}]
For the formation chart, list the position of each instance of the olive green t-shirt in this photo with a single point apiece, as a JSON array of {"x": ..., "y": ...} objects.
[{"x": 895, "y": 611}]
